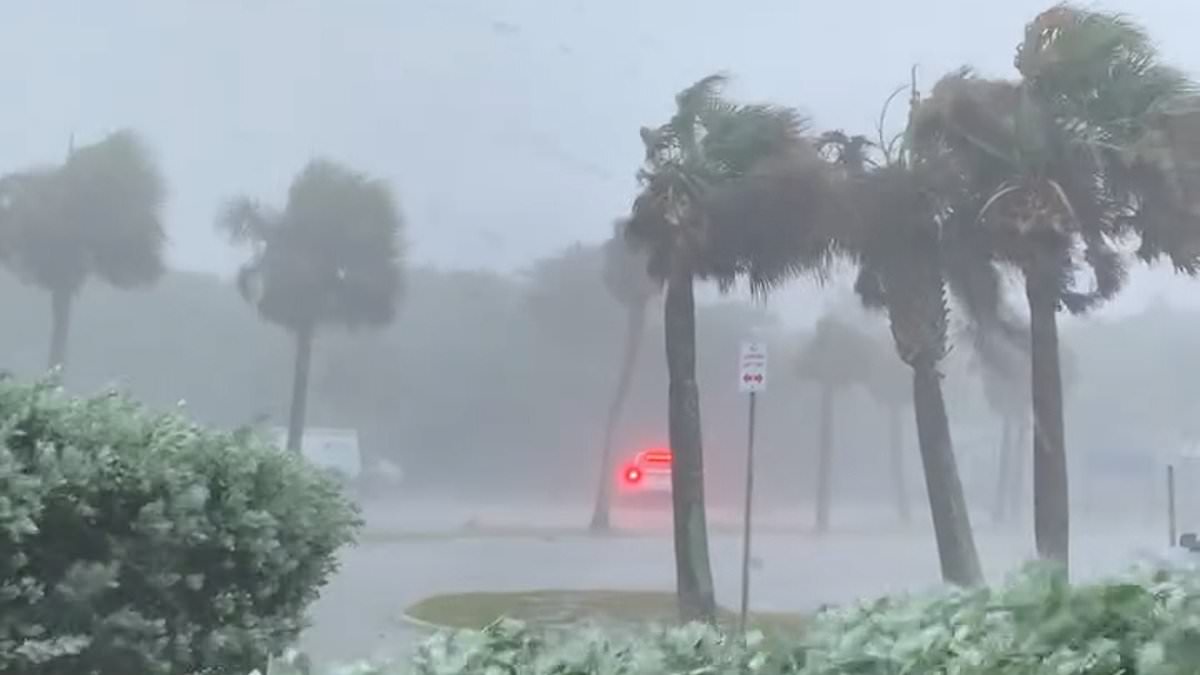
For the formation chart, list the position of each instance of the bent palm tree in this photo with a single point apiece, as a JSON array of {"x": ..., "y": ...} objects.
[
  {"x": 627, "y": 279},
  {"x": 709, "y": 145},
  {"x": 837, "y": 357},
  {"x": 900, "y": 244},
  {"x": 1049, "y": 158},
  {"x": 890, "y": 386},
  {"x": 331, "y": 256},
  {"x": 96, "y": 215}
]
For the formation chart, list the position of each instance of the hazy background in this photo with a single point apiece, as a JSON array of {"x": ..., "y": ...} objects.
[
  {"x": 508, "y": 128},
  {"x": 509, "y": 132}
]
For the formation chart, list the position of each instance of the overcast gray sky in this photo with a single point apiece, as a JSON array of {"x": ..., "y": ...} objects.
[{"x": 508, "y": 128}]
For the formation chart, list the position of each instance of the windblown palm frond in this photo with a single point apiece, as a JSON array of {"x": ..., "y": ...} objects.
[
  {"x": 245, "y": 221},
  {"x": 626, "y": 268},
  {"x": 1100, "y": 69},
  {"x": 98, "y": 214},
  {"x": 330, "y": 256},
  {"x": 712, "y": 154},
  {"x": 777, "y": 222}
]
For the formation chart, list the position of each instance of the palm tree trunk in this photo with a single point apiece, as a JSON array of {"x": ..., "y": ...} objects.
[
  {"x": 1004, "y": 471},
  {"x": 300, "y": 370},
  {"x": 896, "y": 442},
  {"x": 951, "y": 522},
  {"x": 634, "y": 326},
  {"x": 825, "y": 459},
  {"x": 60, "y": 326},
  {"x": 1051, "y": 501},
  {"x": 693, "y": 571},
  {"x": 1017, "y": 502}
]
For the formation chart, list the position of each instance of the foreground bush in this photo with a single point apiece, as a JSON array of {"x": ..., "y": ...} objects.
[
  {"x": 133, "y": 542},
  {"x": 1145, "y": 624}
]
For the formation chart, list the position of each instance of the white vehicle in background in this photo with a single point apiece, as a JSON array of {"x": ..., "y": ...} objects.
[{"x": 335, "y": 450}]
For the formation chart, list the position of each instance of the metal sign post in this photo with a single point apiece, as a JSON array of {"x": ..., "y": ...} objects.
[
  {"x": 752, "y": 378},
  {"x": 1172, "y": 531}
]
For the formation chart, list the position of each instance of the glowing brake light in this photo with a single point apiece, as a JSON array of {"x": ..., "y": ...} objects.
[
  {"x": 633, "y": 475},
  {"x": 657, "y": 457}
]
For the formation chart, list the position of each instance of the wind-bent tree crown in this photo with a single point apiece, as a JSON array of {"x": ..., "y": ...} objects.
[
  {"x": 838, "y": 354},
  {"x": 329, "y": 257},
  {"x": 1073, "y": 157},
  {"x": 703, "y": 171},
  {"x": 98, "y": 214},
  {"x": 625, "y": 269}
]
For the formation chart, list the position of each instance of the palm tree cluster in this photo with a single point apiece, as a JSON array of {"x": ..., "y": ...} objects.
[
  {"x": 1048, "y": 176},
  {"x": 1061, "y": 176},
  {"x": 330, "y": 256}
]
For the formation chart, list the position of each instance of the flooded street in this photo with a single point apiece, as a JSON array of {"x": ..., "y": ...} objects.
[{"x": 361, "y": 611}]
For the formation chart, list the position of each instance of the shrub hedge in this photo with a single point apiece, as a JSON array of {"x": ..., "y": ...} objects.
[
  {"x": 135, "y": 542},
  {"x": 1147, "y": 623}
]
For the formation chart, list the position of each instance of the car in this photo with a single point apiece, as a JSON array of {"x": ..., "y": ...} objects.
[
  {"x": 646, "y": 477},
  {"x": 333, "y": 450}
]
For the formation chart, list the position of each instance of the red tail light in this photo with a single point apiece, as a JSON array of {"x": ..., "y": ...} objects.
[
  {"x": 660, "y": 457},
  {"x": 633, "y": 475}
]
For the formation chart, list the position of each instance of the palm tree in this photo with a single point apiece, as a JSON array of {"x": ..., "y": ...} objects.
[
  {"x": 96, "y": 215},
  {"x": 902, "y": 241},
  {"x": 330, "y": 257},
  {"x": 837, "y": 357},
  {"x": 1006, "y": 390},
  {"x": 690, "y": 232},
  {"x": 626, "y": 278},
  {"x": 891, "y": 387},
  {"x": 1053, "y": 162}
]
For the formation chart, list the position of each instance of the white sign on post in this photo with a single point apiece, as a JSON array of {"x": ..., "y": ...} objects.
[{"x": 752, "y": 367}]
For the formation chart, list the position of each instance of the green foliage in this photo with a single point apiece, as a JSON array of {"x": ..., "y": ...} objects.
[
  {"x": 1147, "y": 623},
  {"x": 138, "y": 543},
  {"x": 331, "y": 256},
  {"x": 703, "y": 172},
  {"x": 1038, "y": 623}
]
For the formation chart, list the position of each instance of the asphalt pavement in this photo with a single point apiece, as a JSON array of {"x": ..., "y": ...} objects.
[{"x": 421, "y": 550}]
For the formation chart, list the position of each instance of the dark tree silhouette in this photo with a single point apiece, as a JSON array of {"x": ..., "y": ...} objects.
[
  {"x": 626, "y": 277},
  {"x": 837, "y": 357},
  {"x": 912, "y": 246},
  {"x": 330, "y": 257},
  {"x": 711, "y": 145},
  {"x": 891, "y": 386},
  {"x": 96, "y": 215},
  {"x": 1061, "y": 166}
]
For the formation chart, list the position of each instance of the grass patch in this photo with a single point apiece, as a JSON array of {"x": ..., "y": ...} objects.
[{"x": 560, "y": 608}]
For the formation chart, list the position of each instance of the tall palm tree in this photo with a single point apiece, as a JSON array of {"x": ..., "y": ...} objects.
[
  {"x": 901, "y": 241},
  {"x": 708, "y": 145},
  {"x": 837, "y": 357},
  {"x": 1006, "y": 390},
  {"x": 627, "y": 279},
  {"x": 99, "y": 214},
  {"x": 1050, "y": 158},
  {"x": 330, "y": 257},
  {"x": 891, "y": 387}
]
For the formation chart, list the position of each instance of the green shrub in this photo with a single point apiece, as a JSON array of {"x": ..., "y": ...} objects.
[
  {"x": 1147, "y": 623},
  {"x": 134, "y": 542},
  {"x": 510, "y": 647}
]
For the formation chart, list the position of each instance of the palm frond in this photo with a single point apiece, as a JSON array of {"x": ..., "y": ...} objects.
[
  {"x": 332, "y": 255},
  {"x": 775, "y": 223},
  {"x": 245, "y": 221},
  {"x": 971, "y": 117},
  {"x": 626, "y": 268}
]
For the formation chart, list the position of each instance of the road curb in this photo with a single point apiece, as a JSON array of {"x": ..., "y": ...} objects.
[{"x": 413, "y": 621}]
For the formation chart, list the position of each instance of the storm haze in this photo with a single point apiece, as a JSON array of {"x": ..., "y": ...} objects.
[{"x": 507, "y": 129}]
